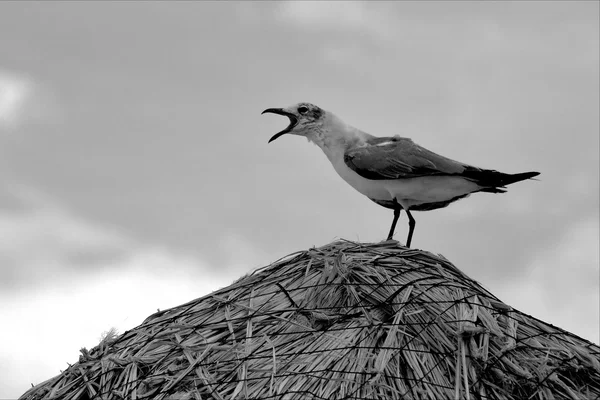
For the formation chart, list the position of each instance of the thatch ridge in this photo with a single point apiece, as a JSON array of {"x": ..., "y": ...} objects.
[{"x": 344, "y": 321}]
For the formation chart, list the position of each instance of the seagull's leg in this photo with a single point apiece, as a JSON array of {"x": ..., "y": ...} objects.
[
  {"x": 411, "y": 228},
  {"x": 396, "y": 216}
]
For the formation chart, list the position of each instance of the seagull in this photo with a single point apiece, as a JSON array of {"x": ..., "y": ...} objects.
[{"x": 394, "y": 172}]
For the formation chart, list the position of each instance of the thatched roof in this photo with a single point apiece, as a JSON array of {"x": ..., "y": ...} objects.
[{"x": 344, "y": 321}]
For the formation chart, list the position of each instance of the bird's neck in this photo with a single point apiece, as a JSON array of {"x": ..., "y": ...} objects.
[{"x": 335, "y": 136}]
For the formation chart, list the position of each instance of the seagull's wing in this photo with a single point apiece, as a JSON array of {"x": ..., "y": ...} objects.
[
  {"x": 401, "y": 158},
  {"x": 398, "y": 158}
]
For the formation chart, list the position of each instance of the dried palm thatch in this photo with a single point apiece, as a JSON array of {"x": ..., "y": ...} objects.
[{"x": 344, "y": 321}]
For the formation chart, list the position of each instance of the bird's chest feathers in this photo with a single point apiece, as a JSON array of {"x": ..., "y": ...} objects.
[{"x": 334, "y": 146}]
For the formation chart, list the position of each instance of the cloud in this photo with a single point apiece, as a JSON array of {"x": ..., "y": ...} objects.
[
  {"x": 24, "y": 100},
  {"x": 49, "y": 325},
  {"x": 42, "y": 239},
  {"x": 355, "y": 16},
  {"x": 326, "y": 14},
  {"x": 563, "y": 286},
  {"x": 66, "y": 280},
  {"x": 14, "y": 92}
]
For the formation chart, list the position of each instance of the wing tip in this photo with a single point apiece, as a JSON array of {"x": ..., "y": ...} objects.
[
  {"x": 495, "y": 179},
  {"x": 525, "y": 175}
]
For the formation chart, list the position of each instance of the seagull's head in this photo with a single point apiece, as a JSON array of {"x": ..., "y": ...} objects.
[{"x": 305, "y": 118}]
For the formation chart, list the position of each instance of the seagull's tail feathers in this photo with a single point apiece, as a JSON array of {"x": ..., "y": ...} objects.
[{"x": 494, "y": 181}]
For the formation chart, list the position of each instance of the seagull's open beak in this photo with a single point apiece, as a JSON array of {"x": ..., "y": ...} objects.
[{"x": 281, "y": 111}]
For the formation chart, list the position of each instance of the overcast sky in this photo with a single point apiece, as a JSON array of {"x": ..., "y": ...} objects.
[{"x": 135, "y": 172}]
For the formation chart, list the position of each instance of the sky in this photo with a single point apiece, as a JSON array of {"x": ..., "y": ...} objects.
[{"x": 135, "y": 173}]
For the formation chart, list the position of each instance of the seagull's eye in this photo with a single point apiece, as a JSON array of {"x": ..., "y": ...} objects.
[{"x": 302, "y": 110}]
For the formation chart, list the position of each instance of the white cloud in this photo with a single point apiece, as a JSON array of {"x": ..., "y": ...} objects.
[
  {"x": 563, "y": 287},
  {"x": 334, "y": 15},
  {"x": 324, "y": 13},
  {"x": 39, "y": 240},
  {"x": 23, "y": 99},
  {"x": 63, "y": 303},
  {"x": 48, "y": 327},
  {"x": 14, "y": 92}
]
